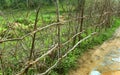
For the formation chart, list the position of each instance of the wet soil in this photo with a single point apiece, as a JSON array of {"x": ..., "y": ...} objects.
[{"x": 102, "y": 60}]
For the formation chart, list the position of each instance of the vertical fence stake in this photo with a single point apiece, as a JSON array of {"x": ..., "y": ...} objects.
[{"x": 58, "y": 27}]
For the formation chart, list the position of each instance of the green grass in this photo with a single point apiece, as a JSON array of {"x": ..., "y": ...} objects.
[{"x": 70, "y": 62}]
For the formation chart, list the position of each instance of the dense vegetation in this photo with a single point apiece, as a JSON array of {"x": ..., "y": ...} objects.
[
  {"x": 15, "y": 4},
  {"x": 38, "y": 34}
]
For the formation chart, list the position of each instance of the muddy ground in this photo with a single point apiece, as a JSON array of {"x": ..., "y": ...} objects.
[{"x": 104, "y": 59}]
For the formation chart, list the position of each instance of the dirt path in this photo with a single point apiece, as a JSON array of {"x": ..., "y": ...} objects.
[{"x": 103, "y": 60}]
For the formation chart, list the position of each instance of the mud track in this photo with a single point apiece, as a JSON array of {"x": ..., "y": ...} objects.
[{"x": 104, "y": 59}]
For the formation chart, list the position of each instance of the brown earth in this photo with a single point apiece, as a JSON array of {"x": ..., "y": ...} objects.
[
  {"x": 112, "y": 73},
  {"x": 95, "y": 56}
]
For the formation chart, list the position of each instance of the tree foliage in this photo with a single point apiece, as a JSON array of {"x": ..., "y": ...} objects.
[{"x": 24, "y": 3}]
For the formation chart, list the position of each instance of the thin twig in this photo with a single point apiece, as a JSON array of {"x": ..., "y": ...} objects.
[
  {"x": 32, "y": 63},
  {"x": 42, "y": 28},
  {"x": 67, "y": 54}
]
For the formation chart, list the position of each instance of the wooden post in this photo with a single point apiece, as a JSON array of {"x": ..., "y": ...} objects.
[
  {"x": 58, "y": 27},
  {"x": 34, "y": 35},
  {"x": 82, "y": 4}
]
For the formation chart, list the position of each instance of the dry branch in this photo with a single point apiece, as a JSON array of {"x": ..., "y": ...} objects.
[
  {"x": 67, "y": 53},
  {"x": 34, "y": 35},
  {"x": 47, "y": 26},
  {"x": 39, "y": 29},
  {"x": 72, "y": 38},
  {"x": 34, "y": 62}
]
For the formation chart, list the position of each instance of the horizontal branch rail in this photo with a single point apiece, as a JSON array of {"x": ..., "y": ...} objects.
[
  {"x": 47, "y": 26},
  {"x": 34, "y": 62},
  {"x": 72, "y": 37}
]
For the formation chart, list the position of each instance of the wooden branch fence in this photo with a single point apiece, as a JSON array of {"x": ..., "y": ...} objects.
[{"x": 60, "y": 37}]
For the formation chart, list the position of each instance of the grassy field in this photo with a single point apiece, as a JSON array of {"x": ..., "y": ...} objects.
[{"x": 23, "y": 21}]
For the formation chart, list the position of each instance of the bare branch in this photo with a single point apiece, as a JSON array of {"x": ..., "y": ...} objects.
[
  {"x": 34, "y": 62},
  {"x": 67, "y": 53}
]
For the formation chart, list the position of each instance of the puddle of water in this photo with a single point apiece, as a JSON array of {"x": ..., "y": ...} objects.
[
  {"x": 116, "y": 59},
  {"x": 95, "y": 73}
]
